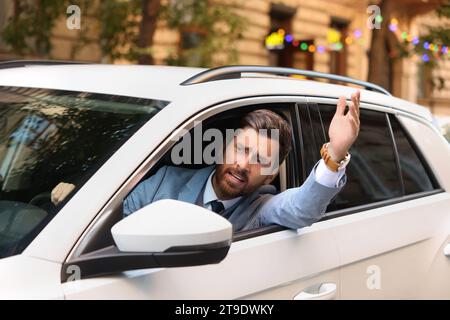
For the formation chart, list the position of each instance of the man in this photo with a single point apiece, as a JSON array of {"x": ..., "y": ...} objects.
[{"x": 240, "y": 190}]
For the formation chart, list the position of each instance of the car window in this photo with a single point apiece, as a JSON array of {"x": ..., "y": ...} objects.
[
  {"x": 414, "y": 175},
  {"x": 312, "y": 135},
  {"x": 48, "y": 137},
  {"x": 372, "y": 172},
  {"x": 101, "y": 235}
]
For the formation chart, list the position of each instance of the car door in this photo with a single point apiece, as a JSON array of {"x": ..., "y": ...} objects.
[
  {"x": 265, "y": 263},
  {"x": 392, "y": 220}
]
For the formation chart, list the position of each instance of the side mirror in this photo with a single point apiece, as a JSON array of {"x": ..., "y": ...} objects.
[{"x": 166, "y": 233}]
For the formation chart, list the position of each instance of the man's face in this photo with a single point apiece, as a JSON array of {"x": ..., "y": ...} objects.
[{"x": 248, "y": 160}]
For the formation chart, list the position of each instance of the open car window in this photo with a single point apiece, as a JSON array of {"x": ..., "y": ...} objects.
[{"x": 101, "y": 237}]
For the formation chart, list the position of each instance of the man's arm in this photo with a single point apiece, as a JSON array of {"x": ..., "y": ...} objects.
[
  {"x": 300, "y": 207},
  {"x": 144, "y": 193}
]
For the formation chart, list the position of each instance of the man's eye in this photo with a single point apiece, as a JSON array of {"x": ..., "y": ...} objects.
[{"x": 263, "y": 161}]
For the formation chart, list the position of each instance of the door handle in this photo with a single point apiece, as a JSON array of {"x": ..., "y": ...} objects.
[
  {"x": 447, "y": 250},
  {"x": 321, "y": 291}
]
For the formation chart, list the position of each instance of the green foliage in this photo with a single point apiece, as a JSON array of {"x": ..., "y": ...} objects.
[
  {"x": 29, "y": 31},
  {"x": 119, "y": 28},
  {"x": 215, "y": 26},
  {"x": 439, "y": 36},
  {"x": 444, "y": 10}
]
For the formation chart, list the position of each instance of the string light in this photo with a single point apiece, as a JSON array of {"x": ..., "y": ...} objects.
[
  {"x": 379, "y": 18},
  {"x": 393, "y": 25},
  {"x": 435, "y": 49},
  {"x": 278, "y": 39}
]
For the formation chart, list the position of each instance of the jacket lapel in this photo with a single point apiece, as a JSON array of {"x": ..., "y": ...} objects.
[{"x": 194, "y": 186}]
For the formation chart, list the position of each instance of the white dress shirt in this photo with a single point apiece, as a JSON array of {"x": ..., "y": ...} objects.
[
  {"x": 210, "y": 195},
  {"x": 323, "y": 175},
  {"x": 327, "y": 177}
]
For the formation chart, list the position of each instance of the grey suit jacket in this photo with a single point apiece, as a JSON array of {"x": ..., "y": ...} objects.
[{"x": 294, "y": 208}]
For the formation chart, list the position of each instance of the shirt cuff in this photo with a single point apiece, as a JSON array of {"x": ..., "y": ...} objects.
[{"x": 327, "y": 177}]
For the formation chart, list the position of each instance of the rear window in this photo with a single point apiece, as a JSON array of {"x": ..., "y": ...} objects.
[
  {"x": 372, "y": 172},
  {"x": 48, "y": 137},
  {"x": 414, "y": 175}
]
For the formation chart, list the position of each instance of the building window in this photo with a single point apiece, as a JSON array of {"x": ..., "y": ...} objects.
[
  {"x": 304, "y": 59},
  {"x": 336, "y": 37},
  {"x": 281, "y": 18},
  {"x": 191, "y": 39}
]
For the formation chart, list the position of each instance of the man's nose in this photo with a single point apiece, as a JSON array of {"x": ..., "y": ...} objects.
[{"x": 243, "y": 162}]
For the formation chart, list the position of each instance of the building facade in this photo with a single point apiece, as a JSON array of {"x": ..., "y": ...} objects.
[{"x": 332, "y": 36}]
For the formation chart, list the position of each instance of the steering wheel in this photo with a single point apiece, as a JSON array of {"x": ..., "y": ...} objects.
[{"x": 41, "y": 199}]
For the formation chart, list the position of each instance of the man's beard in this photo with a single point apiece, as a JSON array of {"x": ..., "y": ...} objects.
[{"x": 231, "y": 181}]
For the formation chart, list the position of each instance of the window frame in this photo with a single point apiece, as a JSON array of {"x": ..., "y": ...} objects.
[
  {"x": 155, "y": 155},
  {"x": 418, "y": 152}
]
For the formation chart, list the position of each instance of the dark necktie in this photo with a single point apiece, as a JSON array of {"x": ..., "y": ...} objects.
[{"x": 217, "y": 206}]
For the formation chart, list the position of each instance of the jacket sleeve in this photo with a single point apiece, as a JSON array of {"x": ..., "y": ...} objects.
[
  {"x": 144, "y": 193},
  {"x": 298, "y": 207}
]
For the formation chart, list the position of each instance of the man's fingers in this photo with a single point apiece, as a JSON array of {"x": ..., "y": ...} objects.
[
  {"x": 354, "y": 123},
  {"x": 56, "y": 194},
  {"x": 52, "y": 197},
  {"x": 353, "y": 111},
  {"x": 60, "y": 192},
  {"x": 340, "y": 109},
  {"x": 356, "y": 100}
]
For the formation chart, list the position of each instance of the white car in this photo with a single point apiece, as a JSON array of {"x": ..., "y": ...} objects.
[
  {"x": 444, "y": 125},
  {"x": 103, "y": 128}
]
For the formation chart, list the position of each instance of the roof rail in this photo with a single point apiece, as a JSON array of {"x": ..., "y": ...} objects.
[
  {"x": 235, "y": 72},
  {"x": 25, "y": 63}
]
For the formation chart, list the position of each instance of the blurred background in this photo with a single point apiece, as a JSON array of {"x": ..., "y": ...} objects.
[{"x": 401, "y": 45}]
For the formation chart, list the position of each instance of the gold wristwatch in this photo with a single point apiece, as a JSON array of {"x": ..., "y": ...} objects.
[{"x": 331, "y": 164}]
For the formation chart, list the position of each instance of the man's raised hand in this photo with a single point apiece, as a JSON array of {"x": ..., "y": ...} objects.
[{"x": 344, "y": 128}]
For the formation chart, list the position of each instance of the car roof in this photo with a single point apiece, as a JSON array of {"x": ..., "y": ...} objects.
[{"x": 163, "y": 83}]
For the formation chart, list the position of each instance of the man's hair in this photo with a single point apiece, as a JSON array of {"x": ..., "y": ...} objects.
[{"x": 266, "y": 119}]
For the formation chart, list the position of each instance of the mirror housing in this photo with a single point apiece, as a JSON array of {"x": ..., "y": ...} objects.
[
  {"x": 169, "y": 224},
  {"x": 166, "y": 233}
]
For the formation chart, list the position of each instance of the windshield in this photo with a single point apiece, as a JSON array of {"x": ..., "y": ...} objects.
[{"x": 48, "y": 137}]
